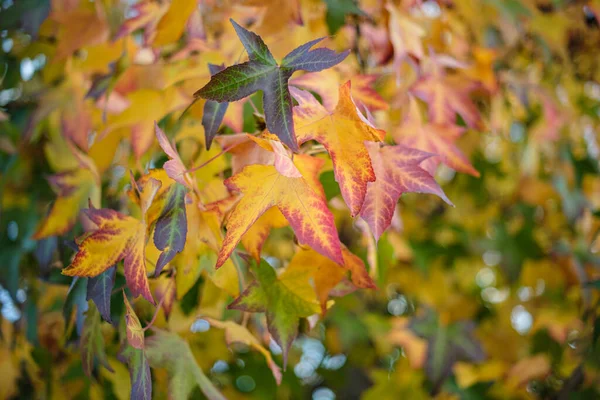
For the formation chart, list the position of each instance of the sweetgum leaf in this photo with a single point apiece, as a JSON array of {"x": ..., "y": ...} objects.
[
  {"x": 284, "y": 299},
  {"x": 168, "y": 350},
  {"x": 91, "y": 343},
  {"x": 261, "y": 72},
  {"x": 118, "y": 237},
  {"x": 99, "y": 289},
  {"x": 139, "y": 371},
  {"x": 170, "y": 231},
  {"x": 214, "y": 112}
]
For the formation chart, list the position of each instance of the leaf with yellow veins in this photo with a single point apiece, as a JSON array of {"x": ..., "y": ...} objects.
[
  {"x": 235, "y": 333},
  {"x": 433, "y": 138},
  {"x": 74, "y": 189},
  {"x": 135, "y": 332},
  {"x": 304, "y": 208},
  {"x": 398, "y": 171},
  {"x": 343, "y": 133},
  {"x": 284, "y": 299},
  {"x": 306, "y": 166},
  {"x": 117, "y": 237},
  {"x": 326, "y": 274}
]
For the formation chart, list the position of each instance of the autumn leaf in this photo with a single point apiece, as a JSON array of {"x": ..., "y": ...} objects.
[
  {"x": 271, "y": 152},
  {"x": 433, "y": 138},
  {"x": 74, "y": 189},
  {"x": 284, "y": 300},
  {"x": 326, "y": 84},
  {"x": 117, "y": 237},
  {"x": 99, "y": 290},
  {"x": 172, "y": 24},
  {"x": 343, "y": 133},
  {"x": 397, "y": 171},
  {"x": 405, "y": 34},
  {"x": 447, "y": 97},
  {"x": 326, "y": 274},
  {"x": 168, "y": 350},
  {"x": 91, "y": 343},
  {"x": 263, "y": 73},
  {"x": 263, "y": 187},
  {"x": 235, "y": 333},
  {"x": 135, "y": 332}
]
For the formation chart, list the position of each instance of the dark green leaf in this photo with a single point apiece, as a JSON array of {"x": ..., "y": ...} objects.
[
  {"x": 139, "y": 371},
  {"x": 337, "y": 10},
  {"x": 91, "y": 343},
  {"x": 263, "y": 73},
  {"x": 171, "y": 227},
  {"x": 99, "y": 290},
  {"x": 214, "y": 112}
]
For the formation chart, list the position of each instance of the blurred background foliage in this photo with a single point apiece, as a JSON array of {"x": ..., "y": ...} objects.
[{"x": 495, "y": 298}]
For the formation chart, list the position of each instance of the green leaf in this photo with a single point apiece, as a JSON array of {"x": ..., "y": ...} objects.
[
  {"x": 139, "y": 371},
  {"x": 168, "y": 350},
  {"x": 255, "y": 47},
  {"x": 99, "y": 290},
  {"x": 337, "y": 10},
  {"x": 76, "y": 299},
  {"x": 91, "y": 343},
  {"x": 236, "y": 82},
  {"x": 170, "y": 231},
  {"x": 213, "y": 112},
  {"x": 284, "y": 299},
  {"x": 263, "y": 73}
]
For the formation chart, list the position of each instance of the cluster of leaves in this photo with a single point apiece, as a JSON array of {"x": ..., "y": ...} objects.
[{"x": 164, "y": 200}]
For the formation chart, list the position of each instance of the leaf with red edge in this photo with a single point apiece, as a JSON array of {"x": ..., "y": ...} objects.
[
  {"x": 135, "y": 332},
  {"x": 174, "y": 167},
  {"x": 397, "y": 170},
  {"x": 433, "y": 138},
  {"x": 448, "y": 96},
  {"x": 343, "y": 132},
  {"x": 117, "y": 237},
  {"x": 305, "y": 209}
]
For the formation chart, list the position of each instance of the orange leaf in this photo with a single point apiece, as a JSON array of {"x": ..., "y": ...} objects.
[
  {"x": 305, "y": 209},
  {"x": 434, "y": 138},
  {"x": 326, "y": 274},
  {"x": 447, "y": 96},
  {"x": 343, "y": 133},
  {"x": 118, "y": 237}
]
